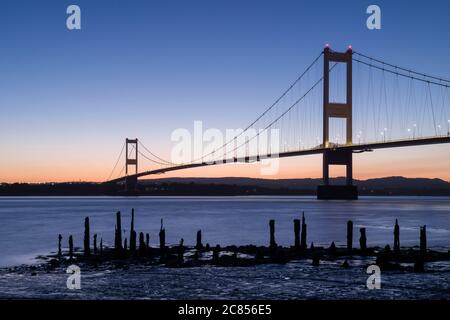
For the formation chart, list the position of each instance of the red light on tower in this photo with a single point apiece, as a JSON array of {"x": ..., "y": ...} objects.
[
  {"x": 327, "y": 45},
  {"x": 349, "y": 48}
]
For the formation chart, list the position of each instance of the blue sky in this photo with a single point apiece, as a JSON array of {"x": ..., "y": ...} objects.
[{"x": 144, "y": 68}]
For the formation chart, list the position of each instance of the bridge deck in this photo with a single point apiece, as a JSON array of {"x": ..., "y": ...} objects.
[{"x": 357, "y": 148}]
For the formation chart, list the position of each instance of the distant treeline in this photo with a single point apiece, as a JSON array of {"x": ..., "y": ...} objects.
[{"x": 396, "y": 186}]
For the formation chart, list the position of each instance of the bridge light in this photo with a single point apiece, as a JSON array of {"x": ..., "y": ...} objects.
[
  {"x": 327, "y": 45},
  {"x": 349, "y": 48}
]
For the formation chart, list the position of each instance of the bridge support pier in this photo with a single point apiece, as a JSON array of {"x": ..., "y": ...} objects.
[
  {"x": 336, "y": 192},
  {"x": 131, "y": 184},
  {"x": 343, "y": 110},
  {"x": 131, "y": 181}
]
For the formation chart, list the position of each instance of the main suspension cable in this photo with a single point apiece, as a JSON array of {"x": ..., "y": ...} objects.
[
  {"x": 154, "y": 155},
  {"x": 401, "y": 68},
  {"x": 283, "y": 114},
  {"x": 117, "y": 161},
  {"x": 266, "y": 111}
]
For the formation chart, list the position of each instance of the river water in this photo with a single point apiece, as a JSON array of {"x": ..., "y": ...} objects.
[{"x": 29, "y": 226}]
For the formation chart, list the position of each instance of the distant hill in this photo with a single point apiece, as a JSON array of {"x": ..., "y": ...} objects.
[
  {"x": 232, "y": 186},
  {"x": 379, "y": 186}
]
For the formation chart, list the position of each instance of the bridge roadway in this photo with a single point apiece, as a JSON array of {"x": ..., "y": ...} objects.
[{"x": 356, "y": 148}]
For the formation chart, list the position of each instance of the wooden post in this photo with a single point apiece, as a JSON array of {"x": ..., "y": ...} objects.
[
  {"x": 316, "y": 260},
  {"x": 125, "y": 245},
  {"x": 332, "y": 248},
  {"x": 363, "y": 239},
  {"x": 419, "y": 265},
  {"x": 118, "y": 234},
  {"x": 142, "y": 248},
  {"x": 180, "y": 252},
  {"x": 95, "y": 243},
  {"x": 70, "y": 247},
  {"x": 273, "y": 244},
  {"x": 396, "y": 237},
  {"x": 303, "y": 244},
  {"x": 162, "y": 237},
  {"x": 132, "y": 234},
  {"x": 101, "y": 246},
  {"x": 199, "y": 244},
  {"x": 349, "y": 235},
  {"x": 147, "y": 244},
  {"x": 216, "y": 251},
  {"x": 297, "y": 233},
  {"x": 87, "y": 249},
  {"x": 59, "y": 245},
  {"x": 423, "y": 239}
]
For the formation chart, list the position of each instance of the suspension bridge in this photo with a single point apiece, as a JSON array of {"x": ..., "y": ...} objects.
[{"x": 342, "y": 103}]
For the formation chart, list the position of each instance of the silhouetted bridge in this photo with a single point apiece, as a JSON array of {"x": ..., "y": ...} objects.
[{"x": 334, "y": 153}]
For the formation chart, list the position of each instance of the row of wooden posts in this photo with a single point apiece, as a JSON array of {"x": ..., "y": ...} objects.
[{"x": 300, "y": 237}]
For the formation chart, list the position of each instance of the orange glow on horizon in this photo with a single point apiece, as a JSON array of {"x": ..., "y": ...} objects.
[{"x": 414, "y": 162}]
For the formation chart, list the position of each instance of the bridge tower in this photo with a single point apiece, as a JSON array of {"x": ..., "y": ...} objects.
[
  {"x": 341, "y": 110},
  {"x": 131, "y": 181}
]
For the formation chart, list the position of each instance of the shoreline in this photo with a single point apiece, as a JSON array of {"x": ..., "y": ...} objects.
[{"x": 296, "y": 279}]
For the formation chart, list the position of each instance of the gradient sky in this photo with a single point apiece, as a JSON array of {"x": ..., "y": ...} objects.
[{"x": 68, "y": 99}]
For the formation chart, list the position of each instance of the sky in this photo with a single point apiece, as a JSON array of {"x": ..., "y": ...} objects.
[{"x": 69, "y": 98}]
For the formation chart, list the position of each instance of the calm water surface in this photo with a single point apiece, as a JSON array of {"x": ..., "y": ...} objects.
[{"x": 29, "y": 226}]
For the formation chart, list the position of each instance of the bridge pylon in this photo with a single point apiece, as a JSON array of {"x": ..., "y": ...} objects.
[
  {"x": 131, "y": 181},
  {"x": 341, "y": 110}
]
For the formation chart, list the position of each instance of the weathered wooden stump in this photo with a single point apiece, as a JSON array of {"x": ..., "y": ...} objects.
[
  {"x": 332, "y": 248},
  {"x": 316, "y": 260},
  {"x": 419, "y": 265},
  {"x": 259, "y": 254},
  {"x": 87, "y": 249},
  {"x": 162, "y": 241},
  {"x": 118, "y": 234},
  {"x": 297, "y": 233},
  {"x": 59, "y": 245},
  {"x": 95, "y": 243},
  {"x": 132, "y": 234},
  {"x": 273, "y": 244},
  {"x": 423, "y": 239},
  {"x": 180, "y": 252},
  {"x": 142, "y": 246},
  {"x": 303, "y": 244},
  {"x": 345, "y": 265},
  {"x": 215, "y": 256},
  {"x": 396, "y": 237},
  {"x": 349, "y": 235},
  {"x": 199, "y": 244},
  {"x": 70, "y": 247},
  {"x": 363, "y": 239}
]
